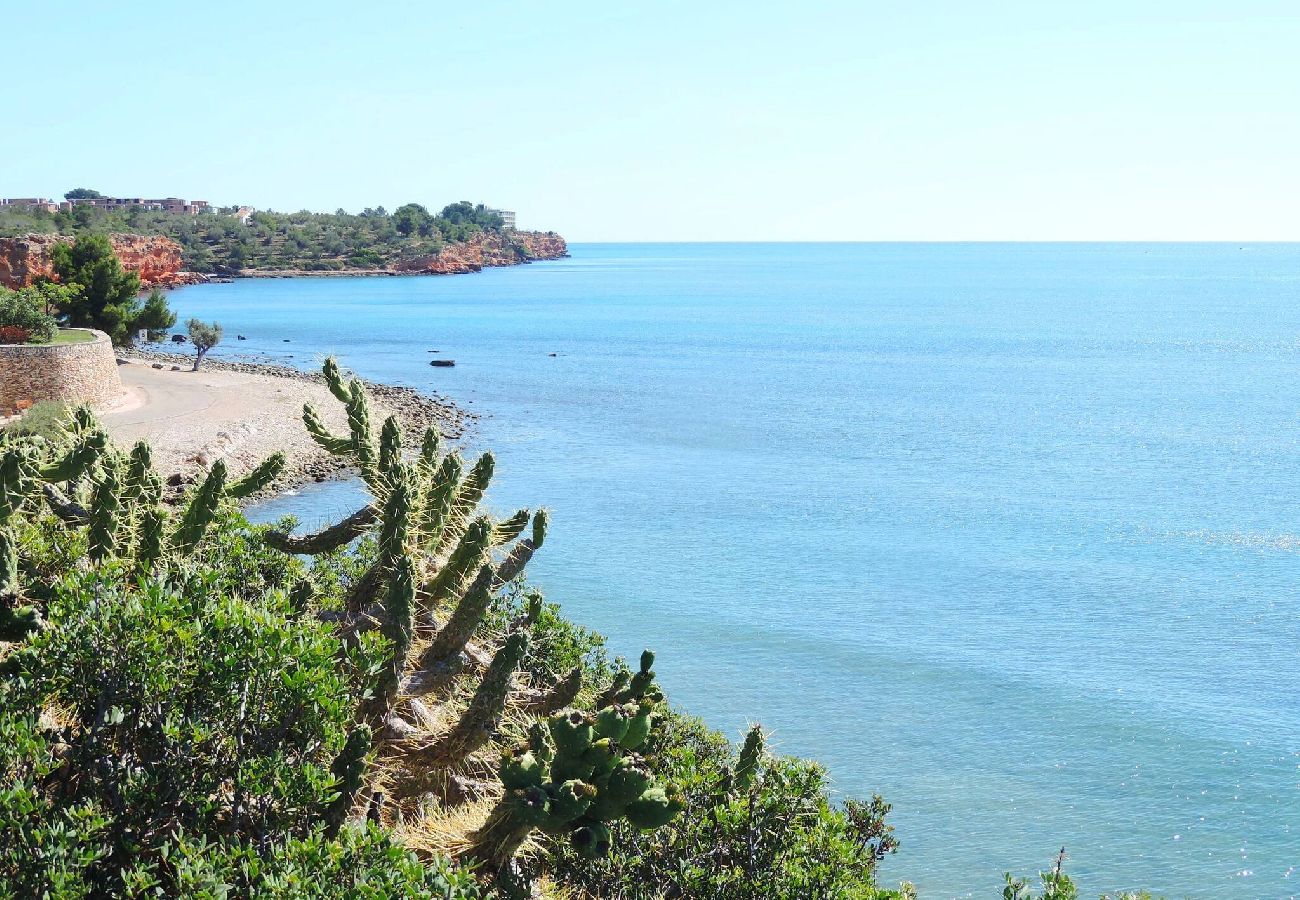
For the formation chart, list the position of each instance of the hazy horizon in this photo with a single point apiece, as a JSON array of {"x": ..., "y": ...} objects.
[{"x": 735, "y": 122}]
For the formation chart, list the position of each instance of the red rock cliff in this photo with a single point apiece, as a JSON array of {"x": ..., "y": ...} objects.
[
  {"x": 157, "y": 259},
  {"x": 488, "y": 248}
]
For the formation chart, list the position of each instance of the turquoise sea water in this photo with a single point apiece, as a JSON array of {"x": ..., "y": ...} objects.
[{"x": 1006, "y": 533}]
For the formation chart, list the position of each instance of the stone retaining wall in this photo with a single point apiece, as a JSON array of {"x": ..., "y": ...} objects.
[{"x": 75, "y": 373}]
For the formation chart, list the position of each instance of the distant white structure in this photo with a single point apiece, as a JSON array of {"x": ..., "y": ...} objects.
[{"x": 507, "y": 217}]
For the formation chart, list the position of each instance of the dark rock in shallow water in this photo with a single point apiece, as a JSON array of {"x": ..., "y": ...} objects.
[
  {"x": 442, "y": 363},
  {"x": 241, "y": 337}
]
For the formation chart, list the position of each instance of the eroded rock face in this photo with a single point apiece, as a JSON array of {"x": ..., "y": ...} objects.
[
  {"x": 488, "y": 248},
  {"x": 26, "y": 259}
]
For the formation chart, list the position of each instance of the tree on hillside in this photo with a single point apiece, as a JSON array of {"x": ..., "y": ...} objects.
[
  {"x": 412, "y": 218},
  {"x": 109, "y": 298},
  {"x": 204, "y": 337},
  {"x": 82, "y": 194},
  {"x": 155, "y": 315}
]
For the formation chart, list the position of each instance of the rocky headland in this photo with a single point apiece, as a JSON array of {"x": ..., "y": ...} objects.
[
  {"x": 26, "y": 259},
  {"x": 159, "y": 261}
]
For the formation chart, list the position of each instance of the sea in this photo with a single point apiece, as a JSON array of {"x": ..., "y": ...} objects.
[{"x": 1008, "y": 534}]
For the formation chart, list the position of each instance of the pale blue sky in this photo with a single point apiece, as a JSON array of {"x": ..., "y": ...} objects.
[{"x": 673, "y": 120}]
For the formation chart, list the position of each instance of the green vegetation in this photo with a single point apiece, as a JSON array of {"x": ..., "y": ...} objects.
[
  {"x": 219, "y": 242},
  {"x": 204, "y": 337},
  {"x": 25, "y": 317},
  {"x": 101, "y": 294},
  {"x": 72, "y": 336}
]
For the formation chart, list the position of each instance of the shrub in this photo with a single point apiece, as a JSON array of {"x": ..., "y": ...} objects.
[
  {"x": 45, "y": 419},
  {"x": 23, "y": 312}
]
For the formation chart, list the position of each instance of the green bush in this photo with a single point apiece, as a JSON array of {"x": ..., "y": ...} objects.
[
  {"x": 192, "y": 746},
  {"x": 25, "y": 309}
]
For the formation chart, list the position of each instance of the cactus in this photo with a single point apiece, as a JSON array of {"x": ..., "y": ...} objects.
[
  {"x": 8, "y": 561},
  {"x": 349, "y": 769},
  {"x": 259, "y": 478},
  {"x": 455, "y": 634},
  {"x": 153, "y": 541},
  {"x": 77, "y": 460},
  {"x": 583, "y": 778},
  {"x": 398, "y": 627},
  {"x": 751, "y": 754},
  {"x": 104, "y": 520},
  {"x": 201, "y": 510},
  {"x": 138, "y": 471},
  {"x": 390, "y": 444},
  {"x": 483, "y": 715},
  {"x": 562, "y": 694},
  {"x": 16, "y": 624},
  {"x": 469, "y": 555},
  {"x": 328, "y": 441}
]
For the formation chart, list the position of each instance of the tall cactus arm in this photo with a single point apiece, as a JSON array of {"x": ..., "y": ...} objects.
[
  {"x": 507, "y": 530},
  {"x": 398, "y": 627},
  {"x": 328, "y": 441},
  {"x": 15, "y": 478},
  {"x": 390, "y": 445},
  {"x": 469, "y": 612},
  {"x": 483, "y": 715},
  {"x": 395, "y": 522},
  {"x": 470, "y": 553},
  {"x": 138, "y": 471},
  {"x": 349, "y": 769},
  {"x": 201, "y": 510},
  {"x": 468, "y": 494},
  {"x": 102, "y": 539},
  {"x": 327, "y": 539},
  {"x": 438, "y": 496},
  {"x": 78, "y": 459},
  {"x": 259, "y": 478},
  {"x": 334, "y": 379},
  {"x": 522, "y": 552},
  {"x": 8, "y": 562},
  {"x": 363, "y": 437},
  {"x": 429, "y": 448}
]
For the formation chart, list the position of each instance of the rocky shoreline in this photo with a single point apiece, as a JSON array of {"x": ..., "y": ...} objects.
[{"x": 415, "y": 411}]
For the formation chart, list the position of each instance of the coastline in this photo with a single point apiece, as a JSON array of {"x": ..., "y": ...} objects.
[{"x": 241, "y": 412}]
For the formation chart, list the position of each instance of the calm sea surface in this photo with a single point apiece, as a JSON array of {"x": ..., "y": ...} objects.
[{"x": 1009, "y": 534}]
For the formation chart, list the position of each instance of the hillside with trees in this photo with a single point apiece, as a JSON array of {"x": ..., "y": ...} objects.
[{"x": 223, "y": 242}]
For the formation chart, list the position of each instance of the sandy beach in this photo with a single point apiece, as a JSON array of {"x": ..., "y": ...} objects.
[{"x": 243, "y": 412}]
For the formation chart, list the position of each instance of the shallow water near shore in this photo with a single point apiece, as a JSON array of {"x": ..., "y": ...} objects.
[{"x": 1006, "y": 533}]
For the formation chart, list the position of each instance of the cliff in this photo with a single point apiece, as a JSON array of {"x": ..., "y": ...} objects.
[
  {"x": 157, "y": 259},
  {"x": 487, "y": 248}
]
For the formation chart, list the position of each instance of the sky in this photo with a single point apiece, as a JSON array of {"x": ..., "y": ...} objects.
[{"x": 679, "y": 121}]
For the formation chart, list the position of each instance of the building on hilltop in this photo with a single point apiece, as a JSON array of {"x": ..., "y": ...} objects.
[
  {"x": 166, "y": 204},
  {"x": 31, "y": 203},
  {"x": 507, "y": 217}
]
